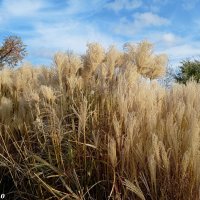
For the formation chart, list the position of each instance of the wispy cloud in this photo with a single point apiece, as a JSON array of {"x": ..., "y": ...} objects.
[
  {"x": 139, "y": 22},
  {"x": 150, "y": 19},
  {"x": 71, "y": 35},
  {"x": 180, "y": 52},
  {"x": 13, "y": 8},
  {"x": 84, "y": 6},
  {"x": 118, "y": 5},
  {"x": 170, "y": 38}
]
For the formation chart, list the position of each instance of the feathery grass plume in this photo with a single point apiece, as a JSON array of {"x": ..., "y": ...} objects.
[
  {"x": 6, "y": 107},
  {"x": 164, "y": 156},
  {"x": 73, "y": 63},
  {"x": 158, "y": 67},
  {"x": 94, "y": 56},
  {"x": 26, "y": 71},
  {"x": 32, "y": 96},
  {"x": 6, "y": 81},
  {"x": 185, "y": 162},
  {"x": 101, "y": 73},
  {"x": 72, "y": 82},
  {"x": 47, "y": 93},
  {"x": 32, "y": 99},
  {"x": 68, "y": 65},
  {"x": 143, "y": 56},
  {"x": 131, "y": 130},
  {"x": 156, "y": 148},
  {"x": 131, "y": 75},
  {"x": 82, "y": 114},
  {"x": 147, "y": 64},
  {"x": 130, "y": 53},
  {"x": 112, "y": 58},
  {"x": 117, "y": 129},
  {"x": 152, "y": 170},
  {"x": 26, "y": 74},
  {"x": 133, "y": 188},
  {"x": 112, "y": 151},
  {"x": 194, "y": 138},
  {"x": 60, "y": 62},
  {"x": 45, "y": 76}
]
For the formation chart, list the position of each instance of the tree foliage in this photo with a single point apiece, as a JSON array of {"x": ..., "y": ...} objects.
[
  {"x": 189, "y": 70},
  {"x": 12, "y": 51}
]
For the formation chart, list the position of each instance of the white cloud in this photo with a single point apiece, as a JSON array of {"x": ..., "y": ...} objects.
[
  {"x": 139, "y": 22},
  {"x": 164, "y": 39},
  {"x": 150, "y": 19},
  {"x": 170, "y": 39},
  {"x": 21, "y": 7},
  {"x": 183, "y": 51},
  {"x": 118, "y": 5}
]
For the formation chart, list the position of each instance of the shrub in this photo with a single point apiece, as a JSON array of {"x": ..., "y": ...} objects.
[{"x": 189, "y": 70}]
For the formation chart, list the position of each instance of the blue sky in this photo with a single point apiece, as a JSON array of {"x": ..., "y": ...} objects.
[{"x": 48, "y": 26}]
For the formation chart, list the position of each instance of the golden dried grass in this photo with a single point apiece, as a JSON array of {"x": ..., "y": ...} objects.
[{"x": 103, "y": 133}]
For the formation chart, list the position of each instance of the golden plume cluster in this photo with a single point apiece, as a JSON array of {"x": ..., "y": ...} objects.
[{"x": 93, "y": 127}]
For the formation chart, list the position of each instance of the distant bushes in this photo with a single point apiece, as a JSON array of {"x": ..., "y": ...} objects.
[
  {"x": 92, "y": 127},
  {"x": 189, "y": 70}
]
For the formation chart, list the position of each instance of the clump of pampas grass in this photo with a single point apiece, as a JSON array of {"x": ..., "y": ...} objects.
[{"x": 98, "y": 126}]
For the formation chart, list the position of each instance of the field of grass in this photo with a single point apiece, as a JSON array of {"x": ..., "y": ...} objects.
[{"x": 94, "y": 127}]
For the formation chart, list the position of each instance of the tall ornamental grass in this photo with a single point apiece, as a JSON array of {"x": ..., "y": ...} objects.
[{"x": 95, "y": 127}]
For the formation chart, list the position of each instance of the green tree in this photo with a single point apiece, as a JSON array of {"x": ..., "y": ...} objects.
[
  {"x": 189, "y": 70},
  {"x": 12, "y": 51}
]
